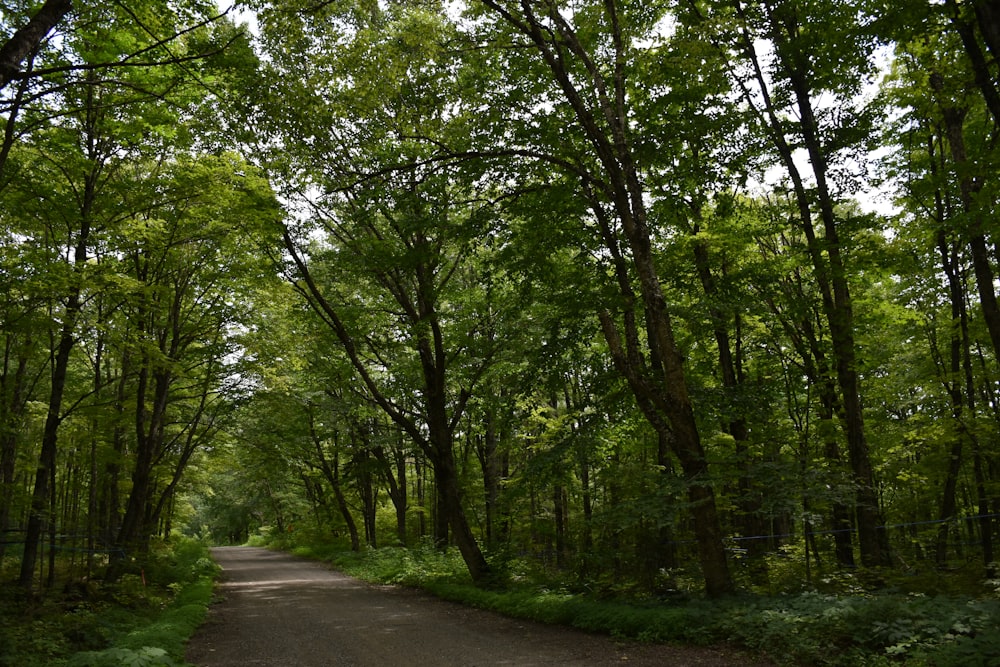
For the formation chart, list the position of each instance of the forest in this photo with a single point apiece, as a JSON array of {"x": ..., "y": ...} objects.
[{"x": 669, "y": 297}]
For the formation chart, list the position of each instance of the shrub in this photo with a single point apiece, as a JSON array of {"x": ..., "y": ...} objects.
[
  {"x": 847, "y": 626},
  {"x": 133, "y": 623}
]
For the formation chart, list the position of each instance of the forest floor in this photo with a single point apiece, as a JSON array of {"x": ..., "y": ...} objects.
[{"x": 279, "y": 610}]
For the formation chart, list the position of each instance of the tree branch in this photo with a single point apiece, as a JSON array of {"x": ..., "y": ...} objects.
[{"x": 28, "y": 37}]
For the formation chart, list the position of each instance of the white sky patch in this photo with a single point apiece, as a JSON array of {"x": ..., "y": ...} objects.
[
  {"x": 241, "y": 15},
  {"x": 661, "y": 33},
  {"x": 873, "y": 195}
]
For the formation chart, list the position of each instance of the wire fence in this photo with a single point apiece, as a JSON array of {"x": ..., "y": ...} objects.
[
  {"x": 805, "y": 549},
  {"x": 65, "y": 542},
  {"x": 809, "y": 532}
]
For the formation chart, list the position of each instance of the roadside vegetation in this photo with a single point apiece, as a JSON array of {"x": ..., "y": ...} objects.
[
  {"x": 143, "y": 620},
  {"x": 599, "y": 293},
  {"x": 866, "y": 617}
]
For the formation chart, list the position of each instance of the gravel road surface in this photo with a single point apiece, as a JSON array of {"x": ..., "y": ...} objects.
[{"x": 283, "y": 611}]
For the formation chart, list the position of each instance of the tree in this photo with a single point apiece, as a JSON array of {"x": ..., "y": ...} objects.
[
  {"x": 23, "y": 368},
  {"x": 28, "y": 37},
  {"x": 191, "y": 276},
  {"x": 939, "y": 178},
  {"x": 399, "y": 264},
  {"x": 71, "y": 165},
  {"x": 587, "y": 73},
  {"x": 83, "y": 179},
  {"x": 790, "y": 87},
  {"x": 411, "y": 261}
]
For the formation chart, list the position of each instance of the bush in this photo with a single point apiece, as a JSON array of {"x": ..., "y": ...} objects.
[
  {"x": 136, "y": 622},
  {"x": 848, "y": 628},
  {"x": 408, "y": 566}
]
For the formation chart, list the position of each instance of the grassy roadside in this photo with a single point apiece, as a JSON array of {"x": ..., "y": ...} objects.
[
  {"x": 144, "y": 620},
  {"x": 845, "y": 629}
]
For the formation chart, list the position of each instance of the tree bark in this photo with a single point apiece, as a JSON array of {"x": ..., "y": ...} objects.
[
  {"x": 682, "y": 435},
  {"x": 396, "y": 481},
  {"x": 14, "y": 396},
  {"x": 987, "y": 13},
  {"x": 657, "y": 379},
  {"x": 439, "y": 412},
  {"x": 446, "y": 476},
  {"x": 332, "y": 473},
  {"x": 952, "y": 380},
  {"x": 28, "y": 37},
  {"x": 366, "y": 490},
  {"x": 38, "y": 514},
  {"x": 486, "y": 451},
  {"x": 803, "y": 336},
  {"x": 954, "y": 119},
  {"x": 134, "y": 532},
  {"x": 826, "y": 254},
  {"x": 752, "y": 524},
  {"x": 969, "y": 187},
  {"x": 988, "y": 17}
]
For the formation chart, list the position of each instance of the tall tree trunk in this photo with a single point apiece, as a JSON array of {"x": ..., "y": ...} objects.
[
  {"x": 969, "y": 187},
  {"x": 111, "y": 512},
  {"x": 27, "y": 38},
  {"x": 402, "y": 504},
  {"x": 657, "y": 378},
  {"x": 953, "y": 381},
  {"x": 987, "y": 15},
  {"x": 435, "y": 436},
  {"x": 420, "y": 473},
  {"x": 561, "y": 520},
  {"x": 149, "y": 422},
  {"x": 828, "y": 264},
  {"x": 439, "y": 518},
  {"x": 366, "y": 490},
  {"x": 840, "y": 317},
  {"x": 331, "y": 471},
  {"x": 983, "y": 506},
  {"x": 840, "y": 512},
  {"x": 15, "y": 395},
  {"x": 39, "y": 515},
  {"x": 806, "y": 343},
  {"x": 394, "y": 474},
  {"x": 980, "y": 464},
  {"x": 667, "y": 544},
  {"x": 752, "y": 524},
  {"x": 446, "y": 476},
  {"x": 60, "y": 355},
  {"x": 486, "y": 451}
]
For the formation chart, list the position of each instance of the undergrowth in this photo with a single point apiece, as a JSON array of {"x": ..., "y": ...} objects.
[
  {"x": 854, "y": 627},
  {"x": 144, "y": 620}
]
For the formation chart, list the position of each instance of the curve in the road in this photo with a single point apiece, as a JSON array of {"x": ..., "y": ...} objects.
[{"x": 279, "y": 610}]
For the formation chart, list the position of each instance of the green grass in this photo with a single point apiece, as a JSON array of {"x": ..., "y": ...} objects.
[
  {"x": 849, "y": 626},
  {"x": 133, "y": 623}
]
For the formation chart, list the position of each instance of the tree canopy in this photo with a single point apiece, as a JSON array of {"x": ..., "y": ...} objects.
[{"x": 598, "y": 285}]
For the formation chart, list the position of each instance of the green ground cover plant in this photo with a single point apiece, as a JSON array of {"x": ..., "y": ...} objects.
[
  {"x": 143, "y": 620},
  {"x": 848, "y": 623}
]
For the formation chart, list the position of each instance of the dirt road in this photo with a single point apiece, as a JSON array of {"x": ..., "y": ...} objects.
[{"x": 278, "y": 610}]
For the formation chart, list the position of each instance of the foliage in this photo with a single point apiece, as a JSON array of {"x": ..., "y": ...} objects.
[
  {"x": 588, "y": 289},
  {"x": 406, "y": 566},
  {"x": 808, "y": 628},
  {"x": 861, "y": 629},
  {"x": 131, "y": 622}
]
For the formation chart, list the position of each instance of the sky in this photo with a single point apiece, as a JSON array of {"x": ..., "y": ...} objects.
[{"x": 876, "y": 199}]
